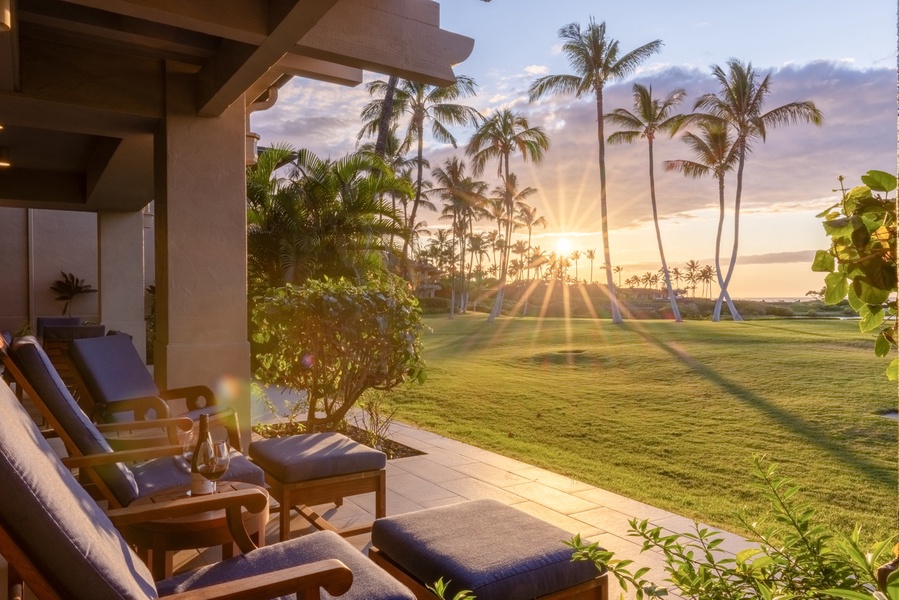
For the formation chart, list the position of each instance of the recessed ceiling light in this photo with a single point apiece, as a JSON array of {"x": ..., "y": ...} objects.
[{"x": 4, "y": 157}]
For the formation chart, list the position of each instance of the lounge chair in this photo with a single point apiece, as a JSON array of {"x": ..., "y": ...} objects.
[
  {"x": 110, "y": 371},
  {"x": 162, "y": 469},
  {"x": 60, "y": 545}
]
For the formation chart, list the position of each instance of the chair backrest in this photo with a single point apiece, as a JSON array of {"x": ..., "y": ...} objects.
[
  {"x": 44, "y": 386},
  {"x": 55, "y": 322},
  {"x": 52, "y": 533},
  {"x": 111, "y": 369}
]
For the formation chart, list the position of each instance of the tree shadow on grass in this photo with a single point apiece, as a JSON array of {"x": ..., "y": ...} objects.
[{"x": 799, "y": 426}]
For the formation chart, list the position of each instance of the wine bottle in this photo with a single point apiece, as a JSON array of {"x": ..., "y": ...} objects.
[{"x": 199, "y": 484}]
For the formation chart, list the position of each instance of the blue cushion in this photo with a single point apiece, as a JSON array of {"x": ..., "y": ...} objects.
[
  {"x": 112, "y": 369},
  {"x": 56, "y": 322},
  {"x": 163, "y": 475},
  {"x": 494, "y": 550},
  {"x": 369, "y": 581},
  {"x": 59, "y": 527},
  {"x": 314, "y": 455},
  {"x": 68, "y": 333},
  {"x": 37, "y": 368}
]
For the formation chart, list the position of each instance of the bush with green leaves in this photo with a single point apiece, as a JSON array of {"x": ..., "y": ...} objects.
[
  {"x": 334, "y": 340},
  {"x": 861, "y": 261},
  {"x": 797, "y": 557}
]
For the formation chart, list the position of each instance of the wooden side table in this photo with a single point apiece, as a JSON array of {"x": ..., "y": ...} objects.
[{"x": 156, "y": 540}]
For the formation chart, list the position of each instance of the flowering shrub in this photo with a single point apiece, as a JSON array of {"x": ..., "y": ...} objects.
[{"x": 334, "y": 340}]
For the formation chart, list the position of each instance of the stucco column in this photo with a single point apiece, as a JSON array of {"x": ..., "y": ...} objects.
[
  {"x": 201, "y": 249},
  {"x": 120, "y": 241}
]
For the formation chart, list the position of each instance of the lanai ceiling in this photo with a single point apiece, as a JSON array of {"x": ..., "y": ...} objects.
[{"x": 82, "y": 81}]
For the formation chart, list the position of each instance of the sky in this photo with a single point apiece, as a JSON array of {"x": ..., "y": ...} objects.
[{"x": 841, "y": 56}]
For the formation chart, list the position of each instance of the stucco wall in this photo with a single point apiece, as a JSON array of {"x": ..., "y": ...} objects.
[{"x": 61, "y": 241}]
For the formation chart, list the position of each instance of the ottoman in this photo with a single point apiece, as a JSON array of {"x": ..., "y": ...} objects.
[
  {"x": 314, "y": 468},
  {"x": 495, "y": 551}
]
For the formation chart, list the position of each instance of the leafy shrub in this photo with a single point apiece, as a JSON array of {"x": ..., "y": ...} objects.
[
  {"x": 796, "y": 558},
  {"x": 861, "y": 261},
  {"x": 434, "y": 306},
  {"x": 335, "y": 340},
  {"x": 775, "y": 310}
]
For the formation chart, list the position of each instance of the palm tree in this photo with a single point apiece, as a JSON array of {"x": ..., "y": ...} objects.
[
  {"x": 677, "y": 276},
  {"x": 591, "y": 256},
  {"x": 693, "y": 267},
  {"x": 651, "y": 115},
  {"x": 527, "y": 216},
  {"x": 619, "y": 269},
  {"x": 424, "y": 104},
  {"x": 739, "y": 105},
  {"x": 575, "y": 256},
  {"x": 596, "y": 61},
  {"x": 715, "y": 155},
  {"x": 462, "y": 197},
  {"x": 503, "y": 133}
]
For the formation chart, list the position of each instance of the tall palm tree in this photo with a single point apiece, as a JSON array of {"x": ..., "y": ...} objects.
[
  {"x": 591, "y": 256},
  {"x": 650, "y": 115},
  {"x": 595, "y": 60},
  {"x": 677, "y": 276},
  {"x": 715, "y": 154},
  {"x": 425, "y": 105},
  {"x": 739, "y": 105},
  {"x": 501, "y": 135}
]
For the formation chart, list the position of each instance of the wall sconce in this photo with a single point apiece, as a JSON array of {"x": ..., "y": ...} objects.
[
  {"x": 4, "y": 157},
  {"x": 5, "y": 15}
]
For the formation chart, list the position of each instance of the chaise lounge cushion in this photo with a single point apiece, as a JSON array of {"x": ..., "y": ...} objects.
[
  {"x": 63, "y": 529},
  {"x": 314, "y": 455},
  {"x": 369, "y": 581},
  {"x": 126, "y": 483},
  {"x": 494, "y": 550}
]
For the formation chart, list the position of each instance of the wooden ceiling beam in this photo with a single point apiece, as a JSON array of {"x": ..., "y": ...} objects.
[{"x": 237, "y": 66}]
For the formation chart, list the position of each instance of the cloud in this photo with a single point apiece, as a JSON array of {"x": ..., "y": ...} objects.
[
  {"x": 772, "y": 258},
  {"x": 536, "y": 70}
]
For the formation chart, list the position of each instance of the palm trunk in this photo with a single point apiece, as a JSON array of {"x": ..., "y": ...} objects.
[
  {"x": 604, "y": 213},
  {"x": 722, "y": 288},
  {"x": 716, "y": 315},
  {"x": 411, "y": 222},
  {"x": 655, "y": 220},
  {"x": 386, "y": 117},
  {"x": 504, "y": 255}
]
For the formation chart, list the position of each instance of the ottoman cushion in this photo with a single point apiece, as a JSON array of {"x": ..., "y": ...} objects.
[
  {"x": 314, "y": 455},
  {"x": 494, "y": 550},
  {"x": 369, "y": 582}
]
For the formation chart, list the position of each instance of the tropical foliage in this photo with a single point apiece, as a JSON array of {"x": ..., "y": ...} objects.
[
  {"x": 861, "y": 261},
  {"x": 68, "y": 288},
  {"x": 334, "y": 340},
  {"x": 322, "y": 218},
  {"x": 797, "y": 556}
]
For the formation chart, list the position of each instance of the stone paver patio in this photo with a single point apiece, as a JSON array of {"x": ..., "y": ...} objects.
[{"x": 452, "y": 472}]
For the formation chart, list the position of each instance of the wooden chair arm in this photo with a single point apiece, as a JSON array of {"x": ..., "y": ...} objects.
[
  {"x": 106, "y": 458},
  {"x": 191, "y": 395},
  {"x": 182, "y": 423},
  {"x": 331, "y": 574},
  {"x": 254, "y": 500},
  {"x": 140, "y": 406}
]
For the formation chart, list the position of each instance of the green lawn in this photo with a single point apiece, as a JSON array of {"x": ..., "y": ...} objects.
[{"x": 671, "y": 414}]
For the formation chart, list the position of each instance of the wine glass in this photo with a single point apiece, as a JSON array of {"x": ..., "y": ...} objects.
[
  {"x": 213, "y": 463},
  {"x": 188, "y": 441}
]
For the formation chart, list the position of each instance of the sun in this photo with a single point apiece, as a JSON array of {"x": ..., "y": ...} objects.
[{"x": 563, "y": 246}]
